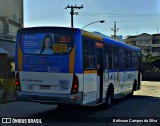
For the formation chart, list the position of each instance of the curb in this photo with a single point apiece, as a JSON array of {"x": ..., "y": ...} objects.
[{"x": 7, "y": 101}]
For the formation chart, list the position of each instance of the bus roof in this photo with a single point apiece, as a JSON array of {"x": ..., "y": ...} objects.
[
  {"x": 120, "y": 44},
  {"x": 85, "y": 33},
  {"x": 41, "y": 28},
  {"x": 110, "y": 41}
]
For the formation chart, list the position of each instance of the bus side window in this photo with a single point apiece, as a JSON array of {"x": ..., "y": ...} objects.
[
  {"x": 84, "y": 58},
  {"x": 115, "y": 57},
  {"x": 128, "y": 59},
  {"x": 122, "y": 59},
  {"x": 110, "y": 58},
  {"x": 134, "y": 60},
  {"x": 106, "y": 56},
  {"x": 88, "y": 53}
]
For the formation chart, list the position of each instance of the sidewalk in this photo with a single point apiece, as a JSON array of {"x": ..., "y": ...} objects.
[
  {"x": 1, "y": 92},
  {"x": 7, "y": 91},
  {"x": 9, "y": 98}
]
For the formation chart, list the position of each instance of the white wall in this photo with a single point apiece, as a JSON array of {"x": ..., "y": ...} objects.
[{"x": 13, "y": 9}]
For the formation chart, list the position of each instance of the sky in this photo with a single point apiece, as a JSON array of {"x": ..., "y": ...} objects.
[{"x": 132, "y": 17}]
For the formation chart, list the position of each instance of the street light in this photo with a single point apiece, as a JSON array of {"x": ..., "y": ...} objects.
[{"x": 102, "y": 21}]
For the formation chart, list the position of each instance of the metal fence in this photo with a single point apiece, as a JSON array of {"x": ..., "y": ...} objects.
[{"x": 151, "y": 71}]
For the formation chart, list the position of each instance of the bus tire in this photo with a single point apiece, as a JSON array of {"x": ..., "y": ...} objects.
[
  {"x": 109, "y": 97},
  {"x": 64, "y": 106},
  {"x": 133, "y": 89}
]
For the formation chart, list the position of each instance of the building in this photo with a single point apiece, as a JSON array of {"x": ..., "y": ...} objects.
[
  {"x": 156, "y": 45},
  {"x": 11, "y": 19},
  {"x": 150, "y": 44}
]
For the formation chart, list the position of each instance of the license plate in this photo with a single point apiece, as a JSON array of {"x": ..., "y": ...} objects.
[
  {"x": 64, "y": 87},
  {"x": 64, "y": 84},
  {"x": 45, "y": 87}
]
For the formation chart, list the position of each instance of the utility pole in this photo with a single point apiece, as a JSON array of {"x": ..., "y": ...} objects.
[
  {"x": 158, "y": 30},
  {"x": 115, "y": 29},
  {"x": 72, "y": 11}
]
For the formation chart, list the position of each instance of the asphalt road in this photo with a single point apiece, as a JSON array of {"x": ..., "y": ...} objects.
[{"x": 145, "y": 104}]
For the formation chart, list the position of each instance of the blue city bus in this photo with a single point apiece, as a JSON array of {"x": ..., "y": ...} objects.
[{"x": 61, "y": 65}]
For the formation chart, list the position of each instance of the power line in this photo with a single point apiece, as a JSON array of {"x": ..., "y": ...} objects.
[
  {"x": 44, "y": 15},
  {"x": 136, "y": 20},
  {"x": 76, "y": 1},
  {"x": 63, "y": 2},
  {"x": 120, "y": 14},
  {"x": 124, "y": 32},
  {"x": 47, "y": 17},
  {"x": 141, "y": 26}
]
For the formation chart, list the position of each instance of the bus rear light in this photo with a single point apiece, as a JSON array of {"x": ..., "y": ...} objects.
[
  {"x": 17, "y": 83},
  {"x": 18, "y": 87},
  {"x": 75, "y": 85}
]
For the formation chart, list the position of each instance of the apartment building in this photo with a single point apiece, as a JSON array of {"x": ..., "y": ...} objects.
[
  {"x": 150, "y": 44},
  {"x": 11, "y": 19}
]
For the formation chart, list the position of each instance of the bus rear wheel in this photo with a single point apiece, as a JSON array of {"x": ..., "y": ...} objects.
[
  {"x": 133, "y": 89},
  {"x": 109, "y": 98}
]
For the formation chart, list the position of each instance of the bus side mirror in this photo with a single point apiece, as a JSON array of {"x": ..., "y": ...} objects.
[
  {"x": 98, "y": 66},
  {"x": 98, "y": 69}
]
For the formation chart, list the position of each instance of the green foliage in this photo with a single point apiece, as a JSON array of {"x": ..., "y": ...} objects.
[
  {"x": 7, "y": 83},
  {"x": 150, "y": 59},
  {"x": 154, "y": 69},
  {"x": 157, "y": 59},
  {"x": 150, "y": 63},
  {"x": 1, "y": 83}
]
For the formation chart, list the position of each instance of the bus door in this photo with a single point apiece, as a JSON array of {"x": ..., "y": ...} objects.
[
  {"x": 139, "y": 72},
  {"x": 99, "y": 58}
]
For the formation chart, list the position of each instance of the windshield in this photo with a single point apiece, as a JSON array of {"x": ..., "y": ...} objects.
[{"x": 47, "y": 43}]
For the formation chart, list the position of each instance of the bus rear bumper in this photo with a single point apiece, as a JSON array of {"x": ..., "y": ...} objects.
[{"x": 50, "y": 98}]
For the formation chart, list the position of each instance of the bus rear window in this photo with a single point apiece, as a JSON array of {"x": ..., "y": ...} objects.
[{"x": 47, "y": 43}]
